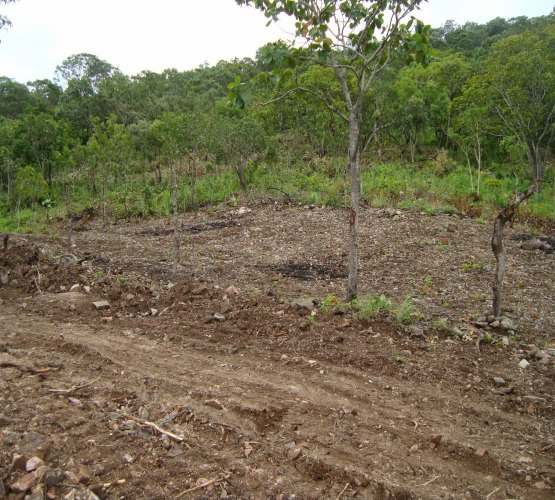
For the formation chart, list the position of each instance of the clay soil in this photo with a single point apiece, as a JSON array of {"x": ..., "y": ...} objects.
[{"x": 187, "y": 388}]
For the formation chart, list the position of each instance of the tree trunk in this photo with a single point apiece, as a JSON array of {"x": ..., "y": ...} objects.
[
  {"x": 176, "y": 246},
  {"x": 193, "y": 170},
  {"x": 240, "y": 169},
  {"x": 506, "y": 215},
  {"x": 354, "y": 167},
  {"x": 69, "y": 224}
]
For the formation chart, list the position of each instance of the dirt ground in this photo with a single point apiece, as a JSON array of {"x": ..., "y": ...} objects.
[{"x": 231, "y": 381}]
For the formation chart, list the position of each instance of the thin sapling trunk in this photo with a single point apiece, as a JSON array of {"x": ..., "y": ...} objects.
[
  {"x": 506, "y": 215},
  {"x": 176, "y": 243}
]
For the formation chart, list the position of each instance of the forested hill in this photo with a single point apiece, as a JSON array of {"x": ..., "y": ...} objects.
[{"x": 465, "y": 129}]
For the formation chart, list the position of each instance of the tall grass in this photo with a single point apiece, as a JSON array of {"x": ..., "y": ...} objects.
[{"x": 396, "y": 185}]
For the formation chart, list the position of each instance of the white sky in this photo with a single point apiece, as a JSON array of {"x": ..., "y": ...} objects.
[{"x": 136, "y": 35}]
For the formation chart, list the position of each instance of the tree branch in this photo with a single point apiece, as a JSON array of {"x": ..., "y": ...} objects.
[{"x": 328, "y": 105}]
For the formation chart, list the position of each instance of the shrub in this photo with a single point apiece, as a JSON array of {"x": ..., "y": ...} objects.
[{"x": 29, "y": 187}]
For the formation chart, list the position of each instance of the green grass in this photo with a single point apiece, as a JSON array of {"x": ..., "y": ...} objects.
[{"x": 395, "y": 184}]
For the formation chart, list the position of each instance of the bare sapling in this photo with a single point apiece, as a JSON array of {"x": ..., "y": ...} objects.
[
  {"x": 69, "y": 224},
  {"x": 176, "y": 243},
  {"x": 506, "y": 215}
]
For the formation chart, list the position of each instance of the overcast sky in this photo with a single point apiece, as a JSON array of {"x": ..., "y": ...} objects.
[{"x": 136, "y": 35}]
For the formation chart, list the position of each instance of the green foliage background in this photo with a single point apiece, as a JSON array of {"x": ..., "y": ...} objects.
[{"x": 459, "y": 135}]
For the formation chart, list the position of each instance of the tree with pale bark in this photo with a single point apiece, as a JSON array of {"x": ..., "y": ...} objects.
[{"x": 356, "y": 39}]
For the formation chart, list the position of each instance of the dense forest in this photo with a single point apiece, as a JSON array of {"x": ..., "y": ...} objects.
[{"x": 458, "y": 134}]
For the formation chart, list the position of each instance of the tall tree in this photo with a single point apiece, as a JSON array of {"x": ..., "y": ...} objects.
[
  {"x": 84, "y": 65},
  {"x": 518, "y": 87},
  {"x": 356, "y": 40},
  {"x": 4, "y": 21}
]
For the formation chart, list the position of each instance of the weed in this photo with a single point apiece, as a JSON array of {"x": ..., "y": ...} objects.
[
  {"x": 121, "y": 279},
  {"x": 329, "y": 303},
  {"x": 442, "y": 326},
  {"x": 471, "y": 265},
  {"x": 370, "y": 307},
  {"x": 428, "y": 281},
  {"x": 100, "y": 273},
  {"x": 406, "y": 311},
  {"x": 488, "y": 338}
]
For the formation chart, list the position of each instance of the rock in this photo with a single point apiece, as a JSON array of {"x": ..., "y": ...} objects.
[
  {"x": 84, "y": 476},
  {"x": 540, "y": 485},
  {"x": 41, "y": 472},
  {"x": 4, "y": 279},
  {"x": 129, "y": 296},
  {"x": 534, "y": 399},
  {"x": 36, "y": 494},
  {"x": 100, "y": 305},
  {"x": 481, "y": 452},
  {"x": 19, "y": 462},
  {"x": 304, "y": 325},
  {"x": 153, "y": 311},
  {"x": 294, "y": 453},
  {"x": 33, "y": 464},
  {"x": 81, "y": 494},
  {"x": 166, "y": 443},
  {"x": 214, "y": 403},
  {"x": 417, "y": 332},
  {"x": 506, "y": 341},
  {"x": 505, "y": 390},
  {"x": 303, "y": 305},
  {"x": 175, "y": 451},
  {"x": 24, "y": 484},
  {"x": 533, "y": 244},
  {"x": 68, "y": 260},
  {"x": 54, "y": 477},
  {"x": 87, "y": 289},
  {"x": 414, "y": 448},
  {"x": 507, "y": 324},
  {"x": 435, "y": 441},
  {"x": 219, "y": 317},
  {"x": 128, "y": 458},
  {"x": 523, "y": 364},
  {"x": 75, "y": 288},
  {"x": 495, "y": 324},
  {"x": 457, "y": 332},
  {"x": 225, "y": 306},
  {"x": 232, "y": 290},
  {"x": 499, "y": 382}
]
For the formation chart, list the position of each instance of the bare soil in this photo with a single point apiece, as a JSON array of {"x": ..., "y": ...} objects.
[{"x": 156, "y": 397}]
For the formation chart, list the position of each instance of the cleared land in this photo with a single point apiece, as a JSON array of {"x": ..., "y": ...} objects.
[{"x": 260, "y": 401}]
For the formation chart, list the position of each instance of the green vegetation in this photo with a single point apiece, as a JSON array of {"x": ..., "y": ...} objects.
[
  {"x": 407, "y": 312},
  {"x": 370, "y": 307},
  {"x": 439, "y": 139}
]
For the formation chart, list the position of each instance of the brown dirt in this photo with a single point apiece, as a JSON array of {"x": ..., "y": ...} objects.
[{"x": 269, "y": 403}]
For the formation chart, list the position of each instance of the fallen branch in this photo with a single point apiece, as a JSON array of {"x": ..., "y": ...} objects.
[
  {"x": 156, "y": 427},
  {"x": 429, "y": 482},
  {"x": 492, "y": 493},
  {"x": 29, "y": 369},
  {"x": 75, "y": 387},
  {"x": 201, "y": 486},
  {"x": 343, "y": 491}
]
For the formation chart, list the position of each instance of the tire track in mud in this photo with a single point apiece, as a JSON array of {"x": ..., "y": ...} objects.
[{"x": 353, "y": 431}]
